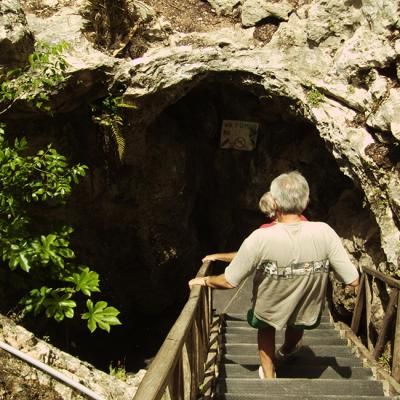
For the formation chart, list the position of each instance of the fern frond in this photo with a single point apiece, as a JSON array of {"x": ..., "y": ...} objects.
[{"x": 119, "y": 139}]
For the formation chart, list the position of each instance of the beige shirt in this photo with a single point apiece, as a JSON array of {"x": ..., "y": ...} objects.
[{"x": 291, "y": 264}]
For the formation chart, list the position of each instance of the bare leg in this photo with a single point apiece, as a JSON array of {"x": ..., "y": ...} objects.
[
  {"x": 292, "y": 337},
  {"x": 266, "y": 348}
]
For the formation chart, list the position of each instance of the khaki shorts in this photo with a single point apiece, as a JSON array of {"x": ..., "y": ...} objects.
[{"x": 254, "y": 322}]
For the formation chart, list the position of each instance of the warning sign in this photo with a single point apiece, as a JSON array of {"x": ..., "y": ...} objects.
[{"x": 239, "y": 135}]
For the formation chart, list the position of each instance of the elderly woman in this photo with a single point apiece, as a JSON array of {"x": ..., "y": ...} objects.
[{"x": 291, "y": 260}]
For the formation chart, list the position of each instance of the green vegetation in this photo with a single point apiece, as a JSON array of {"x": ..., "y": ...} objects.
[
  {"x": 45, "y": 268},
  {"x": 34, "y": 247},
  {"x": 119, "y": 371},
  {"x": 107, "y": 115},
  {"x": 314, "y": 96},
  {"x": 45, "y": 74}
]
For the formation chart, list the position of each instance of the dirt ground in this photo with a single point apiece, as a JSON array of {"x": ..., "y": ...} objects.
[
  {"x": 198, "y": 16},
  {"x": 191, "y": 15}
]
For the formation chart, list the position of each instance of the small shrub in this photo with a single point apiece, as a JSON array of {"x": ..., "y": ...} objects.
[
  {"x": 119, "y": 371},
  {"x": 45, "y": 74},
  {"x": 315, "y": 97},
  {"x": 45, "y": 265}
]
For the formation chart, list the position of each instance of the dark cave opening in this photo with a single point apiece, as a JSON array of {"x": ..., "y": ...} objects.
[{"x": 226, "y": 184}]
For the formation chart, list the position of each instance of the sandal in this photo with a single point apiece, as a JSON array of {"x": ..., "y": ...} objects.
[{"x": 281, "y": 357}]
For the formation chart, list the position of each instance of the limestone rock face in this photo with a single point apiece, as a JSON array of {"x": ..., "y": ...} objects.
[
  {"x": 16, "y": 40},
  {"x": 387, "y": 117},
  {"x": 254, "y": 11},
  {"x": 224, "y": 7}
]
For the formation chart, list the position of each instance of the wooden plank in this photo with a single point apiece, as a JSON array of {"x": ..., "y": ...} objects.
[
  {"x": 390, "y": 309},
  {"x": 377, "y": 274},
  {"x": 167, "y": 394},
  {"x": 368, "y": 303},
  {"x": 199, "y": 345},
  {"x": 358, "y": 309},
  {"x": 176, "y": 381},
  {"x": 193, "y": 360},
  {"x": 186, "y": 374},
  {"x": 396, "y": 346}
]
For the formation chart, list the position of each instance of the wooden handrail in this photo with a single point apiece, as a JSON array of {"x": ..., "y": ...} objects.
[
  {"x": 364, "y": 301},
  {"x": 392, "y": 282},
  {"x": 178, "y": 368}
]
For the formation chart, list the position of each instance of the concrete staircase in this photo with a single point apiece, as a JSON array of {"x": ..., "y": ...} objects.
[{"x": 325, "y": 368}]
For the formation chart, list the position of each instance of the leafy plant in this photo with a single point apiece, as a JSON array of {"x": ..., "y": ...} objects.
[
  {"x": 101, "y": 315},
  {"x": 107, "y": 115},
  {"x": 56, "y": 284},
  {"x": 45, "y": 73},
  {"x": 119, "y": 371},
  {"x": 314, "y": 96}
]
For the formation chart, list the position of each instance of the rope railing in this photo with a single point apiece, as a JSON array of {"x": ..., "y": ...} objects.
[
  {"x": 364, "y": 302},
  {"x": 178, "y": 369}
]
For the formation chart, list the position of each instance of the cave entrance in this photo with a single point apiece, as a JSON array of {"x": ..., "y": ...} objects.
[
  {"x": 191, "y": 198},
  {"x": 218, "y": 189},
  {"x": 203, "y": 199}
]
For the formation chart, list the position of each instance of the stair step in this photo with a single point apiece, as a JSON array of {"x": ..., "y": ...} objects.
[
  {"x": 243, "y": 317},
  {"x": 293, "y": 371},
  {"x": 312, "y": 333},
  {"x": 317, "y": 350},
  {"x": 300, "y": 362},
  {"x": 240, "y": 323},
  {"x": 251, "y": 337},
  {"x": 247, "y": 396},
  {"x": 300, "y": 387}
]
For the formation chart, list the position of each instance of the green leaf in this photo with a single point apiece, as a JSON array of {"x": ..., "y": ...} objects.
[
  {"x": 86, "y": 282},
  {"x": 23, "y": 262},
  {"x": 58, "y": 306},
  {"x": 99, "y": 315}
]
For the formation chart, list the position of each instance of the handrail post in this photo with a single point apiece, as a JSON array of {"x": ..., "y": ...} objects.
[
  {"x": 360, "y": 300},
  {"x": 396, "y": 346},
  {"x": 390, "y": 309},
  {"x": 368, "y": 312},
  {"x": 364, "y": 300}
]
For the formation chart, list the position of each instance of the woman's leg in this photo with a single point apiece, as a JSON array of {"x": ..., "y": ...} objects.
[
  {"x": 293, "y": 336},
  {"x": 266, "y": 349}
]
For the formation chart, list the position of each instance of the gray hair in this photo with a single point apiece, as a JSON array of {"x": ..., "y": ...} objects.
[
  {"x": 290, "y": 192},
  {"x": 267, "y": 205}
]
